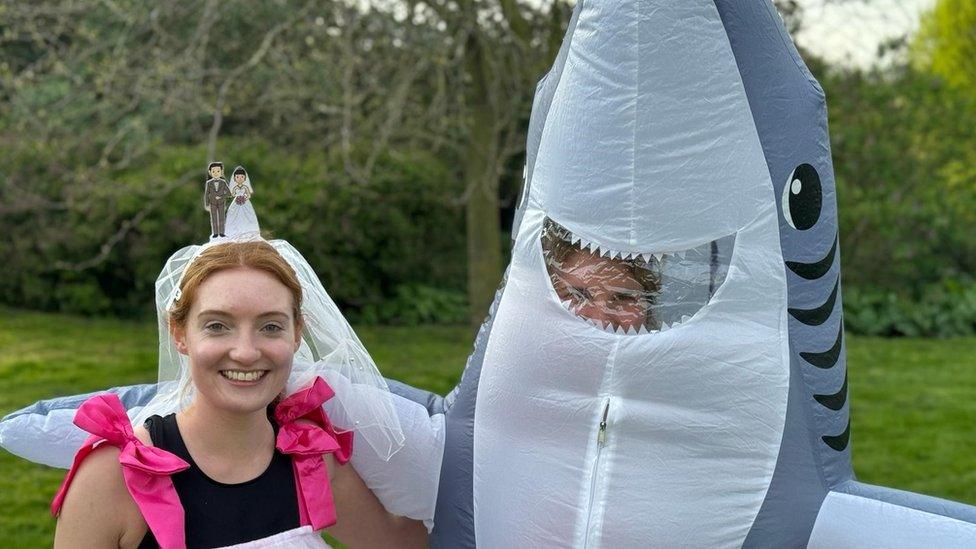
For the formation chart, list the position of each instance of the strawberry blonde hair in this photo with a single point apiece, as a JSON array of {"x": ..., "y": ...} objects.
[{"x": 257, "y": 255}]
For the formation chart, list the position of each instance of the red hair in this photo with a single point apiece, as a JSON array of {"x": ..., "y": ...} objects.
[{"x": 257, "y": 255}]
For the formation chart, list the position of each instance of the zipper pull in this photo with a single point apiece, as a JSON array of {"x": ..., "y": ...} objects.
[{"x": 601, "y": 436}]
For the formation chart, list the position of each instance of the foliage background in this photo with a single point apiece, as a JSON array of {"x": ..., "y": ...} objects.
[{"x": 357, "y": 124}]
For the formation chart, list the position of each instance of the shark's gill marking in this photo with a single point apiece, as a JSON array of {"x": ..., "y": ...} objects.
[
  {"x": 818, "y": 315},
  {"x": 828, "y": 358},
  {"x": 839, "y": 442},
  {"x": 835, "y": 401},
  {"x": 801, "y": 208},
  {"x": 815, "y": 270}
]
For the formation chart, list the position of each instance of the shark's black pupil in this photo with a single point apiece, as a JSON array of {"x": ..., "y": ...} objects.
[{"x": 805, "y": 196}]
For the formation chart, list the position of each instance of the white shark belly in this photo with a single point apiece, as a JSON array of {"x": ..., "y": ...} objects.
[{"x": 695, "y": 418}]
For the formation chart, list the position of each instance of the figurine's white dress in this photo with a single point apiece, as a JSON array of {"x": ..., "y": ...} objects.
[{"x": 241, "y": 219}]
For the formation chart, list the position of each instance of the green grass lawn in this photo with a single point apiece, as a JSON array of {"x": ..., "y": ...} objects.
[{"x": 913, "y": 408}]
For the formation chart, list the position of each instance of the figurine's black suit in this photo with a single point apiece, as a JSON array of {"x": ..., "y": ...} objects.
[{"x": 215, "y": 196}]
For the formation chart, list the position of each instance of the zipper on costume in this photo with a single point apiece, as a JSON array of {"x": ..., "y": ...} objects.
[
  {"x": 601, "y": 436},
  {"x": 601, "y": 441}
]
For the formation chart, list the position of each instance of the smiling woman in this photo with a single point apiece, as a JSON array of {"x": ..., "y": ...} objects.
[
  {"x": 242, "y": 463},
  {"x": 239, "y": 318}
]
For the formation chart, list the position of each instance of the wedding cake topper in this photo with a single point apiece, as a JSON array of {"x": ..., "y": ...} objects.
[{"x": 238, "y": 219}]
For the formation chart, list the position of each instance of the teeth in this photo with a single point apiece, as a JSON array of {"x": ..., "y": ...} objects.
[
  {"x": 236, "y": 375},
  {"x": 642, "y": 329},
  {"x": 631, "y": 331},
  {"x": 665, "y": 327},
  {"x": 685, "y": 318},
  {"x": 660, "y": 257}
]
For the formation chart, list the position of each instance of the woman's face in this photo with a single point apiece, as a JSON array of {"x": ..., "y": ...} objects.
[
  {"x": 239, "y": 177},
  {"x": 240, "y": 337}
]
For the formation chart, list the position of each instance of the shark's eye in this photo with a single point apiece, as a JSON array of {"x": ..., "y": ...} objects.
[{"x": 802, "y": 198}]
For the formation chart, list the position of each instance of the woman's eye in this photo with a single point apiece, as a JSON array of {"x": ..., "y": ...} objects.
[
  {"x": 214, "y": 327},
  {"x": 273, "y": 328}
]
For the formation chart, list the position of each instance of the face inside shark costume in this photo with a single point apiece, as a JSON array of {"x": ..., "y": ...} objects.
[{"x": 664, "y": 364}]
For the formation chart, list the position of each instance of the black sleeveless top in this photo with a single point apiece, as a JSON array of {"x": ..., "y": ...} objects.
[{"x": 218, "y": 514}]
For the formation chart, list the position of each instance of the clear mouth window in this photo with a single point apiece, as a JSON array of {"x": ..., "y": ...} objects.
[{"x": 629, "y": 292}]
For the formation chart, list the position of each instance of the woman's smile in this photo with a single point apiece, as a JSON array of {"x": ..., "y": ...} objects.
[{"x": 244, "y": 377}]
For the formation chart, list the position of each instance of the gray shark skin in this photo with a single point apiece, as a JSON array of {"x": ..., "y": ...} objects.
[{"x": 789, "y": 110}]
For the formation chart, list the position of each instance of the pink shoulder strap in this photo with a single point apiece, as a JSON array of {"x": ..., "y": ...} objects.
[
  {"x": 145, "y": 469},
  {"x": 307, "y": 443}
]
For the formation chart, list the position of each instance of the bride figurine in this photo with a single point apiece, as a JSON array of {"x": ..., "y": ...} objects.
[{"x": 241, "y": 219}]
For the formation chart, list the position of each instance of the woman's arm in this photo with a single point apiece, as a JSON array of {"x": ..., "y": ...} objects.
[
  {"x": 98, "y": 511},
  {"x": 362, "y": 519}
]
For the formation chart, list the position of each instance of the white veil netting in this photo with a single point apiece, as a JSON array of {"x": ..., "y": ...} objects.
[{"x": 330, "y": 349}]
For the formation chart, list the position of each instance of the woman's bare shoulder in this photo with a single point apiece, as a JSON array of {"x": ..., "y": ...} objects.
[
  {"x": 98, "y": 509},
  {"x": 143, "y": 435}
]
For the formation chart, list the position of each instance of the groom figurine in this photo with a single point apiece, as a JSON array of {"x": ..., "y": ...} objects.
[{"x": 215, "y": 194}]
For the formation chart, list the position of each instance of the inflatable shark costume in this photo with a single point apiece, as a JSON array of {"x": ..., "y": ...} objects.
[
  {"x": 686, "y": 140},
  {"x": 664, "y": 127}
]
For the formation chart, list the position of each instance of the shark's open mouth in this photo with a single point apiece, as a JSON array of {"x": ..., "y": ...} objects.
[{"x": 633, "y": 292}]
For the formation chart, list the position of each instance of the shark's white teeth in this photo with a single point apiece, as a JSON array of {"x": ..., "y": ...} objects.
[
  {"x": 659, "y": 256},
  {"x": 568, "y": 305},
  {"x": 631, "y": 330},
  {"x": 642, "y": 329},
  {"x": 665, "y": 327},
  {"x": 685, "y": 318}
]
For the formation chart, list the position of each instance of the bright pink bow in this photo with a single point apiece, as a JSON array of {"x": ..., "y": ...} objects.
[
  {"x": 306, "y": 433},
  {"x": 145, "y": 469}
]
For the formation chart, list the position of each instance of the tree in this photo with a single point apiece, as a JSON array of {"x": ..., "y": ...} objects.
[
  {"x": 946, "y": 42},
  {"x": 503, "y": 47}
]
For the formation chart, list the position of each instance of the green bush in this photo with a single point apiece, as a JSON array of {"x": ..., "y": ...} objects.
[
  {"x": 415, "y": 304},
  {"x": 392, "y": 237},
  {"x": 944, "y": 310}
]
